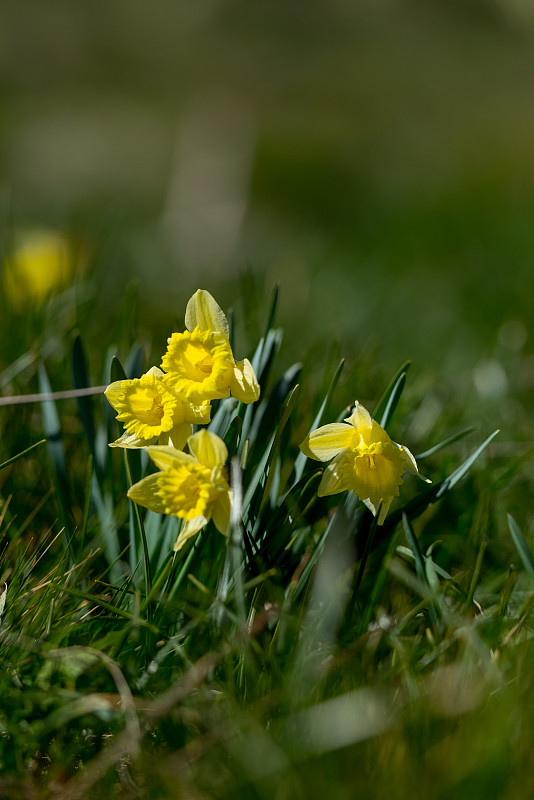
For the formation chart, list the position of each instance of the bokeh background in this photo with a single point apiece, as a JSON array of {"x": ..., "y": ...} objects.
[{"x": 375, "y": 158}]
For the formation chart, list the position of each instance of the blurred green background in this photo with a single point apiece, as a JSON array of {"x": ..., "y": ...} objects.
[{"x": 376, "y": 158}]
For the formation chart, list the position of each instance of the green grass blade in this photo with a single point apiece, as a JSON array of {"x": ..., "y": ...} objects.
[
  {"x": 459, "y": 473},
  {"x": 273, "y": 305},
  {"x": 388, "y": 402},
  {"x": 414, "y": 547},
  {"x": 288, "y": 408},
  {"x": 140, "y": 529},
  {"x": 116, "y": 371},
  {"x": 52, "y": 429},
  {"x": 22, "y": 454},
  {"x": 301, "y": 460},
  {"x": 413, "y": 508},
  {"x": 521, "y": 545},
  {"x": 81, "y": 380},
  {"x": 454, "y": 438}
]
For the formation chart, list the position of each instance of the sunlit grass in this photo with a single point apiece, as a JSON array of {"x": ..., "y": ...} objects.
[{"x": 311, "y": 651}]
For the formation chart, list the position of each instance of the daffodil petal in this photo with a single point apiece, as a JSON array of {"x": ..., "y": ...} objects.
[
  {"x": 244, "y": 385},
  {"x": 155, "y": 371},
  {"x": 409, "y": 462},
  {"x": 208, "y": 449},
  {"x": 177, "y": 436},
  {"x": 132, "y": 442},
  {"x": 145, "y": 493},
  {"x": 371, "y": 506},
  {"x": 221, "y": 512},
  {"x": 205, "y": 313},
  {"x": 328, "y": 441},
  {"x": 164, "y": 456},
  {"x": 113, "y": 392},
  {"x": 199, "y": 413},
  {"x": 189, "y": 528},
  {"x": 334, "y": 480},
  {"x": 384, "y": 508},
  {"x": 360, "y": 417}
]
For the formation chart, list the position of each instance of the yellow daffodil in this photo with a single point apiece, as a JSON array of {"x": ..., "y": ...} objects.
[
  {"x": 365, "y": 460},
  {"x": 41, "y": 263},
  {"x": 152, "y": 411},
  {"x": 192, "y": 487},
  {"x": 200, "y": 363}
]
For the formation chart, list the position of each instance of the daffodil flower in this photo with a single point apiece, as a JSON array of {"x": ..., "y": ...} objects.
[
  {"x": 365, "y": 460},
  {"x": 42, "y": 263},
  {"x": 152, "y": 411},
  {"x": 192, "y": 487},
  {"x": 200, "y": 363}
]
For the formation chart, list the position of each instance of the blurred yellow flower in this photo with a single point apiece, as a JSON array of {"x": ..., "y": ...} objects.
[
  {"x": 365, "y": 460},
  {"x": 200, "y": 363},
  {"x": 151, "y": 411},
  {"x": 192, "y": 487},
  {"x": 41, "y": 263}
]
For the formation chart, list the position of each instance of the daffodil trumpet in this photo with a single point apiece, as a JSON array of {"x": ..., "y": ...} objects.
[
  {"x": 199, "y": 362},
  {"x": 363, "y": 460},
  {"x": 152, "y": 412}
]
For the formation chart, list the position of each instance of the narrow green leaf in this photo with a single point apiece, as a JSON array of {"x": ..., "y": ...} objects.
[
  {"x": 116, "y": 371},
  {"x": 139, "y": 529},
  {"x": 301, "y": 460},
  {"x": 236, "y": 539},
  {"x": 414, "y": 547},
  {"x": 290, "y": 402},
  {"x": 52, "y": 429},
  {"x": 120, "y": 612},
  {"x": 454, "y": 438},
  {"x": 388, "y": 402},
  {"x": 273, "y": 305},
  {"x": 81, "y": 380},
  {"x": 134, "y": 364},
  {"x": 413, "y": 508},
  {"x": 521, "y": 545},
  {"x": 22, "y": 454},
  {"x": 233, "y": 432},
  {"x": 459, "y": 473}
]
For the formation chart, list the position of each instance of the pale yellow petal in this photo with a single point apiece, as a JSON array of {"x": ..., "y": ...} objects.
[
  {"x": 371, "y": 506},
  {"x": 409, "y": 462},
  {"x": 328, "y": 441},
  {"x": 204, "y": 312},
  {"x": 360, "y": 417},
  {"x": 155, "y": 371},
  {"x": 132, "y": 442},
  {"x": 164, "y": 456},
  {"x": 384, "y": 508},
  {"x": 244, "y": 385},
  {"x": 114, "y": 393},
  {"x": 189, "y": 528},
  {"x": 199, "y": 413},
  {"x": 145, "y": 493},
  {"x": 221, "y": 511},
  {"x": 334, "y": 479},
  {"x": 177, "y": 437},
  {"x": 208, "y": 449}
]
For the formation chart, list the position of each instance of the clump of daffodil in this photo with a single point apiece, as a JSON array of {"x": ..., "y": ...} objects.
[
  {"x": 152, "y": 412},
  {"x": 41, "y": 262},
  {"x": 365, "y": 460},
  {"x": 192, "y": 487},
  {"x": 200, "y": 364}
]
